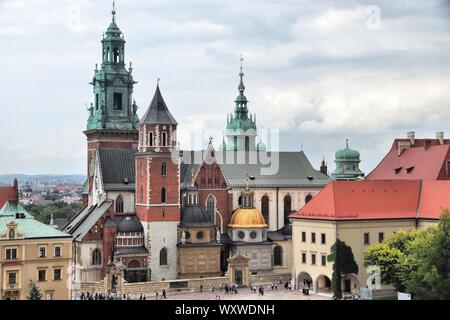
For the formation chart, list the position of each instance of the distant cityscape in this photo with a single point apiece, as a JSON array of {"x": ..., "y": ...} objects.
[{"x": 44, "y": 189}]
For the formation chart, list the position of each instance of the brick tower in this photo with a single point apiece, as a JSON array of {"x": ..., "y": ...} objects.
[
  {"x": 112, "y": 122},
  {"x": 158, "y": 187}
]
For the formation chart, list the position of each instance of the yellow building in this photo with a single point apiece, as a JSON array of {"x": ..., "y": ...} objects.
[
  {"x": 32, "y": 252},
  {"x": 360, "y": 213}
]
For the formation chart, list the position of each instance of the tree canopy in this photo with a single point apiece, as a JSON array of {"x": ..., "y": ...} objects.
[{"x": 416, "y": 261}]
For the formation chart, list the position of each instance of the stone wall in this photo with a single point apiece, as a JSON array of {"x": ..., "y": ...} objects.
[{"x": 185, "y": 285}]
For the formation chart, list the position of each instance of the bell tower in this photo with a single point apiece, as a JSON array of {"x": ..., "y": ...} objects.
[
  {"x": 158, "y": 187},
  {"x": 113, "y": 121}
]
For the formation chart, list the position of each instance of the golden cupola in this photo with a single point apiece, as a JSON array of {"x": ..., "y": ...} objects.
[{"x": 247, "y": 216}]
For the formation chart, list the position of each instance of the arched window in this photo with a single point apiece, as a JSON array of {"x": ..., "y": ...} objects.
[
  {"x": 278, "y": 256},
  {"x": 163, "y": 195},
  {"x": 150, "y": 139},
  {"x": 247, "y": 143},
  {"x": 163, "y": 257},
  {"x": 12, "y": 233},
  {"x": 265, "y": 208},
  {"x": 164, "y": 138},
  {"x": 308, "y": 198},
  {"x": 211, "y": 206},
  {"x": 119, "y": 204},
  {"x": 240, "y": 201},
  {"x": 96, "y": 257},
  {"x": 164, "y": 168},
  {"x": 116, "y": 55},
  {"x": 287, "y": 208}
]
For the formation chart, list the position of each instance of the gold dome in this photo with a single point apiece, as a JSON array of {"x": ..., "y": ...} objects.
[{"x": 247, "y": 218}]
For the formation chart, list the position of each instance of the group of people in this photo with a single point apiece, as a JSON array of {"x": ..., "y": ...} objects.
[{"x": 96, "y": 296}]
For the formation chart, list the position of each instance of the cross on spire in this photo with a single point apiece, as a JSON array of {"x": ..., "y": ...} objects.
[
  {"x": 346, "y": 143},
  {"x": 242, "y": 59},
  {"x": 157, "y": 81},
  {"x": 113, "y": 12}
]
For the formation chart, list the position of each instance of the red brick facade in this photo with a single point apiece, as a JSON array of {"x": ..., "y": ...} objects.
[
  {"x": 156, "y": 173},
  {"x": 210, "y": 180}
]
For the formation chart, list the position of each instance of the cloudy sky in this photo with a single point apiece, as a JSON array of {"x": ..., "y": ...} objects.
[{"x": 318, "y": 71}]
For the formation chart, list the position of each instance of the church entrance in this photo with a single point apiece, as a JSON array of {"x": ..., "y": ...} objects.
[{"x": 238, "y": 276}]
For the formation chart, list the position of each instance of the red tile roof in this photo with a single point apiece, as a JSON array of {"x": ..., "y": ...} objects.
[
  {"x": 6, "y": 194},
  {"x": 435, "y": 197},
  {"x": 353, "y": 200},
  {"x": 415, "y": 162},
  {"x": 380, "y": 199}
]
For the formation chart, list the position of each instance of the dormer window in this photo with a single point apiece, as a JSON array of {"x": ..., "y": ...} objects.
[
  {"x": 409, "y": 170},
  {"x": 12, "y": 233},
  {"x": 398, "y": 170}
]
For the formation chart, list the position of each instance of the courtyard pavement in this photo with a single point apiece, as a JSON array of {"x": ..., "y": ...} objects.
[{"x": 245, "y": 294}]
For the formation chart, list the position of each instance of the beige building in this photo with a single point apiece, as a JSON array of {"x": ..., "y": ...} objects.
[
  {"x": 360, "y": 213},
  {"x": 32, "y": 252}
]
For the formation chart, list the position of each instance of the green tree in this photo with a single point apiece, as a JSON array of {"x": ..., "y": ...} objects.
[
  {"x": 35, "y": 292},
  {"x": 429, "y": 256},
  {"x": 390, "y": 256},
  {"x": 343, "y": 264}
]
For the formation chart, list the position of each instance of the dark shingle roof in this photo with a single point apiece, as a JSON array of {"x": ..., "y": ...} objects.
[
  {"x": 284, "y": 233},
  {"x": 293, "y": 170},
  {"x": 195, "y": 216},
  {"x": 118, "y": 169},
  {"x": 158, "y": 112},
  {"x": 128, "y": 224}
]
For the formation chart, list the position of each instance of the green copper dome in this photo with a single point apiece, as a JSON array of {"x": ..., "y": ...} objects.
[
  {"x": 347, "y": 165},
  {"x": 347, "y": 154}
]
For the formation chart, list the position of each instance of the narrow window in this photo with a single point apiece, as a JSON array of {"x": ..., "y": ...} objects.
[
  {"x": 211, "y": 207},
  {"x": 323, "y": 239},
  {"x": 41, "y": 275},
  {"x": 150, "y": 139},
  {"x": 247, "y": 143},
  {"x": 278, "y": 256},
  {"x": 164, "y": 168},
  {"x": 324, "y": 260},
  {"x": 163, "y": 195},
  {"x": 380, "y": 237},
  {"x": 313, "y": 258},
  {"x": 163, "y": 257},
  {"x": 117, "y": 101},
  {"x": 313, "y": 237},
  {"x": 42, "y": 253},
  {"x": 366, "y": 238},
  {"x": 265, "y": 208},
  {"x": 164, "y": 138},
  {"x": 303, "y": 236},
  {"x": 96, "y": 257},
  {"x": 57, "y": 251},
  {"x": 303, "y": 257},
  {"x": 119, "y": 204},
  {"x": 56, "y": 274},
  {"x": 12, "y": 278}
]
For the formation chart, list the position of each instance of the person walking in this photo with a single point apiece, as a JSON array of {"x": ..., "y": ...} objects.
[{"x": 164, "y": 294}]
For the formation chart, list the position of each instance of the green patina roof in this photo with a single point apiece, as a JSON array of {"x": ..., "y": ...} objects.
[
  {"x": 27, "y": 226},
  {"x": 347, "y": 165}
]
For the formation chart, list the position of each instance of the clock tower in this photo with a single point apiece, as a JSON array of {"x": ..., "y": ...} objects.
[{"x": 113, "y": 121}]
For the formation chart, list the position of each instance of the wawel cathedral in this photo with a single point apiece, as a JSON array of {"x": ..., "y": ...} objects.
[{"x": 160, "y": 213}]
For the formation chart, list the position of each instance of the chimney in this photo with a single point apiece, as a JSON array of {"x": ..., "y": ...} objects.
[
  {"x": 440, "y": 137},
  {"x": 411, "y": 136}
]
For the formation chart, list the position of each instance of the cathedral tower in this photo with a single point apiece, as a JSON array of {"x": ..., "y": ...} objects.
[
  {"x": 112, "y": 121},
  {"x": 158, "y": 188},
  {"x": 241, "y": 126}
]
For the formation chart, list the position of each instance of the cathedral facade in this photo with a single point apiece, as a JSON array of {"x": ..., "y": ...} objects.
[{"x": 155, "y": 214}]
